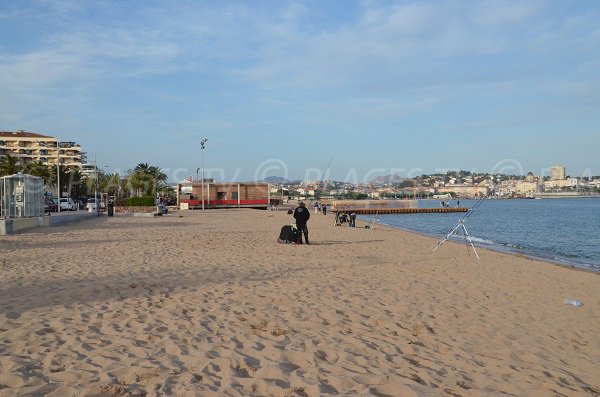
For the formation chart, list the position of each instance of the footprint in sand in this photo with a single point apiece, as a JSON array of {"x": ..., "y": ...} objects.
[{"x": 329, "y": 356}]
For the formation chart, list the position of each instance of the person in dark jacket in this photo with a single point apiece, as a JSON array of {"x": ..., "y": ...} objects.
[{"x": 301, "y": 215}]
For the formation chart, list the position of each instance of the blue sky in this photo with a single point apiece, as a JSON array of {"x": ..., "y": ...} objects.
[{"x": 282, "y": 87}]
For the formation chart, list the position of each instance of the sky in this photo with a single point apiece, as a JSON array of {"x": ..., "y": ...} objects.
[{"x": 287, "y": 88}]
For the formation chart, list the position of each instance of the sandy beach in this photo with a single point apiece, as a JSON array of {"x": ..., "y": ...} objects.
[{"x": 206, "y": 303}]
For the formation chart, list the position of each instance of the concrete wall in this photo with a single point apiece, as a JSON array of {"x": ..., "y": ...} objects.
[{"x": 10, "y": 226}]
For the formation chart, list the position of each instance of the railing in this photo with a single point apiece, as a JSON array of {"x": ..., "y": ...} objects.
[{"x": 225, "y": 203}]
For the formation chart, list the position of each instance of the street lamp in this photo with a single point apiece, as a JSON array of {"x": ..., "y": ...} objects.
[
  {"x": 58, "y": 172},
  {"x": 202, "y": 147},
  {"x": 96, "y": 201}
]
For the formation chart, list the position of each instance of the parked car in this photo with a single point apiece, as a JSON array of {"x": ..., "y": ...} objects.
[
  {"x": 91, "y": 204},
  {"x": 67, "y": 204},
  {"x": 50, "y": 206}
]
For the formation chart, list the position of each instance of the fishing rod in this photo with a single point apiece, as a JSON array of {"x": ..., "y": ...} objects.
[
  {"x": 461, "y": 224},
  {"x": 323, "y": 176}
]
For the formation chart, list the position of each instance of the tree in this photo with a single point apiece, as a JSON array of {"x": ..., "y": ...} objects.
[
  {"x": 71, "y": 180},
  {"x": 75, "y": 183},
  {"x": 9, "y": 165},
  {"x": 159, "y": 179},
  {"x": 147, "y": 180},
  {"x": 39, "y": 169},
  {"x": 110, "y": 183}
]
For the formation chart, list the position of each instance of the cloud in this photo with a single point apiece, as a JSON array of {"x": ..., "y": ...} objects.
[{"x": 254, "y": 64}]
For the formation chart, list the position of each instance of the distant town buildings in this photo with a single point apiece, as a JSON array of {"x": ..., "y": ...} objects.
[
  {"x": 30, "y": 148},
  {"x": 460, "y": 184}
]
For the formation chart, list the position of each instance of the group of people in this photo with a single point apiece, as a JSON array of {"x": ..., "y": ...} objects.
[
  {"x": 302, "y": 215},
  {"x": 446, "y": 204},
  {"x": 319, "y": 207},
  {"x": 346, "y": 219}
]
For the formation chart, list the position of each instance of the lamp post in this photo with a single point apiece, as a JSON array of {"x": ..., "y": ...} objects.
[
  {"x": 202, "y": 147},
  {"x": 96, "y": 201},
  {"x": 58, "y": 172}
]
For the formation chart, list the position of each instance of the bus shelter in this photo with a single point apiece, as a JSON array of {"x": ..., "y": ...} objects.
[{"x": 22, "y": 196}]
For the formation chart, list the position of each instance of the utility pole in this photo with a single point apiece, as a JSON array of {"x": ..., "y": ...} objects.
[{"x": 202, "y": 147}]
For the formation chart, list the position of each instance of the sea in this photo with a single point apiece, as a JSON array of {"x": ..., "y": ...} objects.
[{"x": 564, "y": 231}]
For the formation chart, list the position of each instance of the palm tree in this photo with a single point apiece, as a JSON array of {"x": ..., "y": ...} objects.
[
  {"x": 39, "y": 169},
  {"x": 110, "y": 183},
  {"x": 159, "y": 178},
  {"x": 9, "y": 165},
  {"x": 146, "y": 179},
  {"x": 75, "y": 182}
]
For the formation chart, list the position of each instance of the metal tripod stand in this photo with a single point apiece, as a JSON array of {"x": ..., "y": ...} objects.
[{"x": 461, "y": 224}]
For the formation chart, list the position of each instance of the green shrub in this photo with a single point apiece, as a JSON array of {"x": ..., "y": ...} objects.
[{"x": 140, "y": 202}]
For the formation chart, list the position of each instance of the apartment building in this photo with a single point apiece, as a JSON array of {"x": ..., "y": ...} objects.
[
  {"x": 30, "y": 147},
  {"x": 557, "y": 173}
]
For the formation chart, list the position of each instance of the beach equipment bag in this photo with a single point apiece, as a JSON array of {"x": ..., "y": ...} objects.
[{"x": 289, "y": 234}]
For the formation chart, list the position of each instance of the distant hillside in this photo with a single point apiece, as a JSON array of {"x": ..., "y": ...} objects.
[
  {"x": 277, "y": 180},
  {"x": 389, "y": 179}
]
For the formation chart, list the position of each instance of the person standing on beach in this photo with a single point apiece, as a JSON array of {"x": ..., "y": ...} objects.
[
  {"x": 352, "y": 219},
  {"x": 301, "y": 215},
  {"x": 324, "y": 206}
]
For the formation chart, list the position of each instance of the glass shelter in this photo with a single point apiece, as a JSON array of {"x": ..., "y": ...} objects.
[{"x": 22, "y": 196}]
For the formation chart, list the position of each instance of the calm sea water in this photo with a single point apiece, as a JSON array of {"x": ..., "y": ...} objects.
[{"x": 561, "y": 230}]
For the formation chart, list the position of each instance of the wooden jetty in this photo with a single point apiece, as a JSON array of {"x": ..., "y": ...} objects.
[{"x": 365, "y": 211}]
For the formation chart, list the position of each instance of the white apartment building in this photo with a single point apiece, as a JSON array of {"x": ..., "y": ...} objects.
[
  {"x": 560, "y": 183},
  {"x": 30, "y": 147}
]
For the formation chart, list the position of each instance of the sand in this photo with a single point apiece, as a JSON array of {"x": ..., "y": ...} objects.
[{"x": 208, "y": 304}]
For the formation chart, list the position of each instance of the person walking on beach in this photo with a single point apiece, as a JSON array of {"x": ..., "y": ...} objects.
[
  {"x": 316, "y": 207},
  {"x": 301, "y": 215},
  {"x": 324, "y": 206}
]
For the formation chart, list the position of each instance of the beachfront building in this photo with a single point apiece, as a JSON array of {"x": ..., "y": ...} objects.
[
  {"x": 30, "y": 147},
  {"x": 465, "y": 190},
  {"x": 223, "y": 194},
  {"x": 558, "y": 184},
  {"x": 527, "y": 188}
]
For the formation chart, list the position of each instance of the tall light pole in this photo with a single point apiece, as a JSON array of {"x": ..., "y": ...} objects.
[
  {"x": 202, "y": 147},
  {"x": 96, "y": 187},
  {"x": 58, "y": 172}
]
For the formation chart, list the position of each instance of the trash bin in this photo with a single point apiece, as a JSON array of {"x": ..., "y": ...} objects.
[{"x": 111, "y": 208}]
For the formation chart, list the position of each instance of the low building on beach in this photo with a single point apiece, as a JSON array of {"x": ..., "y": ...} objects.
[{"x": 190, "y": 194}]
